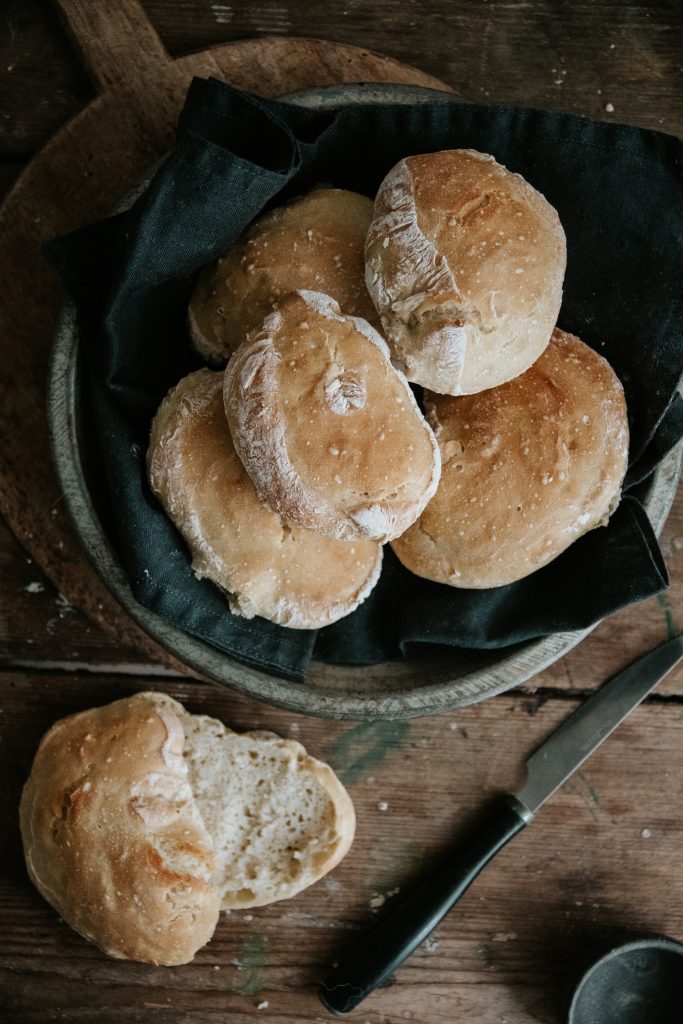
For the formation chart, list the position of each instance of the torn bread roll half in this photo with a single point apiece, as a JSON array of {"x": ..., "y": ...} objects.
[
  {"x": 316, "y": 241},
  {"x": 465, "y": 263},
  {"x": 528, "y": 467},
  {"x": 140, "y": 822},
  {"x": 293, "y": 577},
  {"x": 327, "y": 428}
]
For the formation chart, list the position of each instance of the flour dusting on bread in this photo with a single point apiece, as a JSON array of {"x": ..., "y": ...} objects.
[
  {"x": 328, "y": 430},
  {"x": 464, "y": 262},
  {"x": 264, "y": 566}
]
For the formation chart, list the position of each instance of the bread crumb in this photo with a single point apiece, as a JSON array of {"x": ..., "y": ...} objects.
[
  {"x": 263, "y": 1005},
  {"x": 609, "y": 107},
  {"x": 646, "y": 833},
  {"x": 382, "y": 806}
]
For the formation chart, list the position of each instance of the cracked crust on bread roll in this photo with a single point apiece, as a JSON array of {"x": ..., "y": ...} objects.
[
  {"x": 290, "y": 576},
  {"x": 141, "y": 821},
  {"x": 528, "y": 467},
  {"x": 316, "y": 241},
  {"x": 465, "y": 263},
  {"x": 327, "y": 428},
  {"x": 112, "y": 836}
]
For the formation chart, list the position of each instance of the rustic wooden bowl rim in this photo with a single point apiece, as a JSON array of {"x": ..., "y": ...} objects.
[{"x": 391, "y": 690}]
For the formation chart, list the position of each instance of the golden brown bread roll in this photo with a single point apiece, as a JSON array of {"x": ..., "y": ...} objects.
[
  {"x": 316, "y": 242},
  {"x": 294, "y": 577},
  {"x": 112, "y": 838},
  {"x": 465, "y": 263},
  {"x": 528, "y": 467},
  {"x": 327, "y": 429},
  {"x": 141, "y": 821}
]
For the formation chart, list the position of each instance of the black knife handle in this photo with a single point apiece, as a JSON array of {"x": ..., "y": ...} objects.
[{"x": 408, "y": 922}]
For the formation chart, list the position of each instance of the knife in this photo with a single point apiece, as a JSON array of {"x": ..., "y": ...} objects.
[{"x": 408, "y": 923}]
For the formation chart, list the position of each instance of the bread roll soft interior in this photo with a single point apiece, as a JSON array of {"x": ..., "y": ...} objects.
[
  {"x": 316, "y": 241},
  {"x": 465, "y": 263},
  {"x": 140, "y": 821},
  {"x": 290, "y": 576},
  {"x": 279, "y": 819},
  {"x": 327, "y": 429},
  {"x": 528, "y": 467}
]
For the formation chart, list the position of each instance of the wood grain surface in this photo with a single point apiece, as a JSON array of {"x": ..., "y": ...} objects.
[
  {"x": 575, "y": 56},
  {"x": 600, "y": 864},
  {"x": 593, "y": 869}
]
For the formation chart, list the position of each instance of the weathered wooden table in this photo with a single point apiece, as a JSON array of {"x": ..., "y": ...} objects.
[{"x": 601, "y": 863}]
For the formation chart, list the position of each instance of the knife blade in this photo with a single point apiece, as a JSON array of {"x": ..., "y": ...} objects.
[
  {"x": 408, "y": 923},
  {"x": 579, "y": 735}
]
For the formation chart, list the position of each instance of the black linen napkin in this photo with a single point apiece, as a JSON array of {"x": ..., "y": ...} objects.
[{"x": 618, "y": 193}]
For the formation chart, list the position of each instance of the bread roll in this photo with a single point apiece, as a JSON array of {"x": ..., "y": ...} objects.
[
  {"x": 316, "y": 241},
  {"x": 140, "y": 821},
  {"x": 112, "y": 835},
  {"x": 528, "y": 467},
  {"x": 293, "y": 577},
  {"x": 327, "y": 429},
  {"x": 465, "y": 263},
  {"x": 279, "y": 819}
]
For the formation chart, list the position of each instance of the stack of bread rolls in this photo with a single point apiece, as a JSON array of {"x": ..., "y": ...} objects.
[{"x": 289, "y": 469}]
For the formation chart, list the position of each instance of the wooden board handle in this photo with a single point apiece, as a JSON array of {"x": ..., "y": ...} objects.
[{"x": 115, "y": 40}]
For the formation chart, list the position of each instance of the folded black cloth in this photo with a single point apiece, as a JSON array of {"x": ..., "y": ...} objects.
[{"x": 618, "y": 194}]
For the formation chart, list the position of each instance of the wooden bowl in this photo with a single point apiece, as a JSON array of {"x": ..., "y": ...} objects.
[{"x": 448, "y": 679}]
